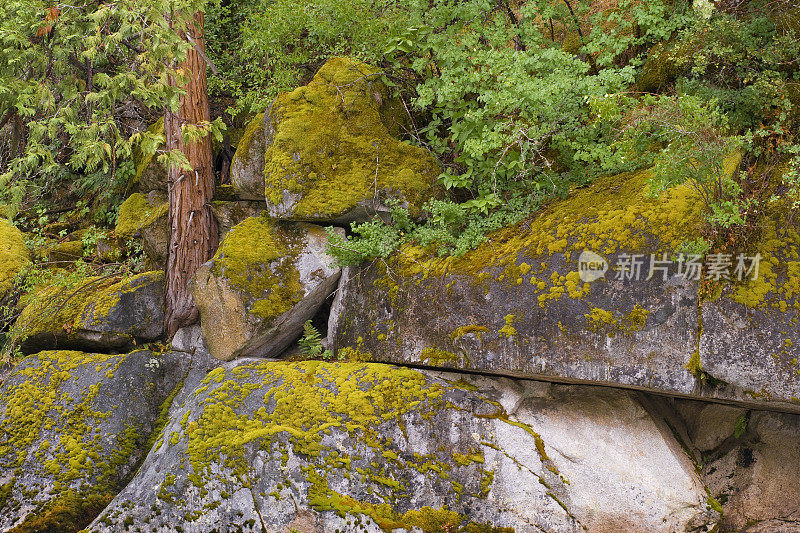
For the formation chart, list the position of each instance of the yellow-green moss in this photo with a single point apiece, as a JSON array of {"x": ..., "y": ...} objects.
[
  {"x": 71, "y": 511},
  {"x": 508, "y": 330},
  {"x": 778, "y": 282},
  {"x": 66, "y": 251},
  {"x": 332, "y": 147},
  {"x": 136, "y": 213},
  {"x": 604, "y": 321},
  {"x": 695, "y": 365},
  {"x": 303, "y": 402},
  {"x": 662, "y": 66},
  {"x": 243, "y": 146},
  {"x": 478, "y": 331},
  {"x": 13, "y": 255},
  {"x": 258, "y": 256},
  {"x": 615, "y": 214},
  {"x": 436, "y": 357}
]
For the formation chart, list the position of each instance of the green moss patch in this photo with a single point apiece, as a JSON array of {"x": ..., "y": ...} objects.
[
  {"x": 63, "y": 310},
  {"x": 292, "y": 411},
  {"x": 258, "y": 256}
]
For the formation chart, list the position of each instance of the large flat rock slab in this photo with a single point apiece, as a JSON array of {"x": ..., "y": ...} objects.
[
  {"x": 312, "y": 446},
  {"x": 529, "y": 303}
]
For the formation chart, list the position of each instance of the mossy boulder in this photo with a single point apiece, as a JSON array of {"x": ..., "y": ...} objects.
[
  {"x": 65, "y": 252},
  {"x": 247, "y": 167},
  {"x": 150, "y": 174},
  {"x": 664, "y": 63},
  {"x": 266, "y": 279},
  {"x": 100, "y": 313},
  {"x": 73, "y": 428},
  {"x": 330, "y": 155},
  {"x": 146, "y": 218},
  {"x": 14, "y": 255},
  {"x": 521, "y": 304},
  {"x": 315, "y": 446}
]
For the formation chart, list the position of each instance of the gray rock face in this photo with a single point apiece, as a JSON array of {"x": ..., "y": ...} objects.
[
  {"x": 367, "y": 447},
  {"x": 96, "y": 315},
  {"x": 265, "y": 281},
  {"x": 518, "y": 305},
  {"x": 749, "y": 462},
  {"x": 73, "y": 427},
  {"x": 247, "y": 168}
]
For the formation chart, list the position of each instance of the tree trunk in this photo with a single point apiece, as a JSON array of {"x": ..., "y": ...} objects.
[{"x": 193, "y": 230}]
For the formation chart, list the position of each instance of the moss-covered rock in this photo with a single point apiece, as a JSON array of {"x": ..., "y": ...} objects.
[
  {"x": 146, "y": 217},
  {"x": 150, "y": 174},
  {"x": 264, "y": 282},
  {"x": 519, "y": 303},
  {"x": 664, "y": 63},
  {"x": 369, "y": 447},
  {"x": 99, "y": 313},
  {"x": 230, "y": 213},
  {"x": 330, "y": 155},
  {"x": 247, "y": 167},
  {"x": 73, "y": 428},
  {"x": 65, "y": 252},
  {"x": 13, "y": 255}
]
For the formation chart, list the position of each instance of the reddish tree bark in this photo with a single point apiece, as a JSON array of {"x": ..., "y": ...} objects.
[{"x": 193, "y": 230}]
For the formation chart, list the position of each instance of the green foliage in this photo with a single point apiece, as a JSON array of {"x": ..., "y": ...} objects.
[
  {"x": 451, "y": 228},
  {"x": 745, "y": 62},
  {"x": 627, "y": 31},
  {"x": 517, "y": 119},
  {"x": 311, "y": 343},
  {"x": 694, "y": 149},
  {"x": 80, "y": 77},
  {"x": 262, "y": 47},
  {"x": 741, "y": 425}
]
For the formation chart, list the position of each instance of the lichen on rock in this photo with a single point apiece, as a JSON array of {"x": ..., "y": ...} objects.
[
  {"x": 375, "y": 448},
  {"x": 73, "y": 426},
  {"x": 330, "y": 155},
  {"x": 544, "y": 320}
]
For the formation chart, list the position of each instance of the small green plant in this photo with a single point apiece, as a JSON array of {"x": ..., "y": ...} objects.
[
  {"x": 311, "y": 343},
  {"x": 90, "y": 239}
]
